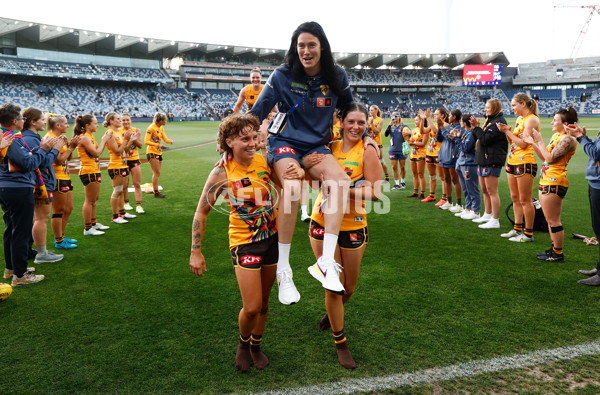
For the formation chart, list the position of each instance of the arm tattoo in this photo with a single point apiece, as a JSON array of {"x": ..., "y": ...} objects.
[
  {"x": 563, "y": 147},
  {"x": 198, "y": 227}
]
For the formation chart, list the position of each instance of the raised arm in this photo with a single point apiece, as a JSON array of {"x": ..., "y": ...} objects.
[{"x": 240, "y": 101}]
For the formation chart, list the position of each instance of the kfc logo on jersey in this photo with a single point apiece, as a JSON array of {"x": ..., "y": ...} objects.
[
  {"x": 285, "y": 150},
  {"x": 323, "y": 102},
  {"x": 317, "y": 232},
  {"x": 250, "y": 260},
  {"x": 239, "y": 184}
]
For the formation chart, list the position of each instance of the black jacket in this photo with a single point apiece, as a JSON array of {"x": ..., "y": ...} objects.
[{"x": 492, "y": 145}]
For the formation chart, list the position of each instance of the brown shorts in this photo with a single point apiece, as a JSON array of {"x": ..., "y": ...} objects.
[
  {"x": 133, "y": 163},
  {"x": 417, "y": 159},
  {"x": 154, "y": 156},
  {"x": 64, "y": 186},
  {"x": 124, "y": 172},
  {"x": 254, "y": 255},
  {"x": 86, "y": 179},
  {"x": 431, "y": 159},
  {"x": 557, "y": 190},
  {"x": 347, "y": 239},
  {"x": 519, "y": 170}
]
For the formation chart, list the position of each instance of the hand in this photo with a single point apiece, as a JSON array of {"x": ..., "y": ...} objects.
[
  {"x": 6, "y": 141},
  {"x": 127, "y": 135},
  {"x": 313, "y": 159},
  {"x": 225, "y": 157},
  {"x": 107, "y": 136},
  {"x": 428, "y": 113},
  {"x": 529, "y": 140},
  {"x": 504, "y": 128},
  {"x": 293, "y": 172},
  {"x": 369, "y": 141},
  {"x": 197, "y": 264},
  {"x": 75, "y": 142},
  {"x": 421, "y": 114},
  {"x": 575, "y": 130},
  {"x": 537, "y": 136},
  {"x": 474, "y": 121}
]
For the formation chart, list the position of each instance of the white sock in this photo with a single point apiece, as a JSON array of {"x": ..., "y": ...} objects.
[
  {"x": 402, "y": 180},
  {"x": 41, "y": 250},
  {"x": 487, "y": 215},
  {"x": 329, "y": 246},
  {"x": 284, "y": 257},
  {"x": 304, "y": 209},
  {"x": 397, "y": 182}
]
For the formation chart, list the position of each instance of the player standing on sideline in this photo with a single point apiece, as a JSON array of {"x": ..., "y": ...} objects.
[
  {"x": 435, "y": 123},
  {"x": 395, "y": 131},
  {"x": 134, "y": 165},
  {"x": 553, "y": 177},
  {"x": 364, "y": 169},
  {"x": 307, "y": 88},
  {"x": 62, "y": 205},
  {"x": 252, "y": 228},
  {"x": 89, "y": 173},
  {"x": 447, "y": 160},
  {"x": 521, "y": 166},
  {"x": 154, "y": 134},
  {"x": 417, "y": 142},
  {"x": 250, "y": 92},
  {"x": 117, "y": 167},
  {"x": 44, "y": 186},
  {"x": 375, "y": 127}
]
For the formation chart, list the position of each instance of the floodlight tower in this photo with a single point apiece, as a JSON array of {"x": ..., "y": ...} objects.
[{"x": 593, "y": 9}]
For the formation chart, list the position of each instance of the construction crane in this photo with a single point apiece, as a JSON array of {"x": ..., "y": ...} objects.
[{"x": 593, "y": 10}]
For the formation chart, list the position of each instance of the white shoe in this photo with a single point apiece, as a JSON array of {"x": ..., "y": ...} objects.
[
  {"x": 119, "y": 220},
  {"x": 493, "y": 223},
  {"x": 521, "y": 238},
  {"x": 305, "y": 217},
  {"x": 470, "y": 215},
  {"x": 511, "y": 233},
  {"x": 139, "y": 210},
  {"x": 92, "y": 232},
  {"x": 484, "y": 218},
  {"x": 128, "y": 206},
  {"x": 99, "y": 226},
  {"x": 456, "y": 208},
  {"x": 129, "y": 216},
  {"x": 446, "y": 206},
  {"x": 459, "y": 213},
  {"x": 288, "y": 294},
  {"x": 328, "y": 273}
]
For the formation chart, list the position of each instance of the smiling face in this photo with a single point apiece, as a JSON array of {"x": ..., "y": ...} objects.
[
  {"x": 255, "y": 80},
  {"x": 92, "y": 126},
  {"x": 116, "y": 122},
  {"x": 61, "y": 127},
  {"x": 126, "y": 121},
  {"x": 244, "y": 145},
  {"x": 354, "y": 126},
  {"x": 309, "y": 52},
  {"x": 517, "y": 107},
  {"x": 488, "y": 109}
]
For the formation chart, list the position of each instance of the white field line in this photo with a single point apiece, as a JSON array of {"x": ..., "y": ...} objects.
[{"x": 466, "y": 369}]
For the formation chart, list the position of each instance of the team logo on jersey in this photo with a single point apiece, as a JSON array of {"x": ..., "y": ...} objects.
[
  {"x": 358, "y": 219},
  {"x": 317, "y": 231},
  {"x": 250, "y": 260},
  {"x": 324, "y": 89},
  {"x": 323, "y": 102},
  {"x": 285, "y": 150},
  {"x": 239, "y": 184}
]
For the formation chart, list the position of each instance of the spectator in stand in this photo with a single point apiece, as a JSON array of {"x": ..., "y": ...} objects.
[
  {"x": 592, "y": 174},
  {"x": 490, "y": 156},
  {"x": 154, "y": 134},
  {"x": 521, "y": 167},
  {"x": 17, "y": 181}
]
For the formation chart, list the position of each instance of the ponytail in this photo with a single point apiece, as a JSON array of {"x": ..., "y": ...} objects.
[{"x": 81, "y": 122}]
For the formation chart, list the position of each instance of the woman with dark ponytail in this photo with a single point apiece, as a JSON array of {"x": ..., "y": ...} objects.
[
  {"x": 89, "y": 151},
  {"x": 553, "y": 177}
]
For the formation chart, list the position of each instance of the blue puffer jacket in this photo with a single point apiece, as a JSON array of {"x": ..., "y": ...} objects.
[
  {"x": 466, "y": 147},
  {"x": 448, "y": 153},
  {"x": 23, "y": 163},
  {"x": 33, "y": 140}
]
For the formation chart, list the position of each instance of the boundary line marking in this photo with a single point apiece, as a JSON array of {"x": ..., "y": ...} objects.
[{"x": 450, "y": 372}]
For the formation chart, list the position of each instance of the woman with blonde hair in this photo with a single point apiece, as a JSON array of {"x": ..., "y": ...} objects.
[
  {"x": 490, "y": 156},
  {"x": 417, "y": 142},
  {"x": 62, "y": 205},
  {"x": 134, "y": 165},
  {"x": 154, "y": 134},
  {"x": 521, "y": 166},
  {"x": 89, "y": 173},
  {"x": 117, "y": 167},
  {"x": 435, "y": 123}
]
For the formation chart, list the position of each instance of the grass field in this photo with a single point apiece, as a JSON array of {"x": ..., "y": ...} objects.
[{"x": 123, "y": 312}]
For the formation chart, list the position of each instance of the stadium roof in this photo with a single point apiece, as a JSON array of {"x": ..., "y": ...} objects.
[{"x": 60, "y": 38}]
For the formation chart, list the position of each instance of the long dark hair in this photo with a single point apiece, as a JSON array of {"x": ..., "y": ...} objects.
[
  {"x": 80, "y": 122},
  {"x": 328, "y": 69}
]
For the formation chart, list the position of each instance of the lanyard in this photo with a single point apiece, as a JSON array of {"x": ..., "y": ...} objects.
[{"x": 310, "y": 88}]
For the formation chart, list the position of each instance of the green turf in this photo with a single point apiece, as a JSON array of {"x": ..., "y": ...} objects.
[{"x": 123, "y": 312}]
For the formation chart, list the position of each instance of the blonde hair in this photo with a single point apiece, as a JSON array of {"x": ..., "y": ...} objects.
[
  {"x": 109, "y": 117},
  {"x": 495, "y": 108},
  {"x": 159, "y": 116},
  {"x": 528, "y": 101},
  {"x": 52, "y": 120},
  {"x": 377, "y": 109}
]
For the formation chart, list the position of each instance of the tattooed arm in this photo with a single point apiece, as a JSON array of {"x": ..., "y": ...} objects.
[
  {"x": 215, "y": 184},
  {"x": 566, "y": 145}
]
